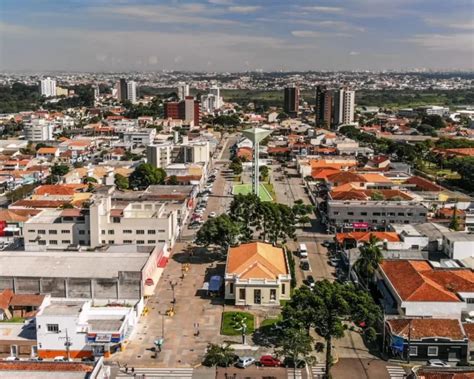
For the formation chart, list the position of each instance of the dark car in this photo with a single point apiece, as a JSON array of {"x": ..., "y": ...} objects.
[
  {"x": 289, "y": 362},
  {"x": 309, "y": 281},
  {"x": 304, "y": 265}
]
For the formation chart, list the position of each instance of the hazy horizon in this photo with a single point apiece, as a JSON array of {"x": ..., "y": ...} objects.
[{"x": 236, "y": 35}]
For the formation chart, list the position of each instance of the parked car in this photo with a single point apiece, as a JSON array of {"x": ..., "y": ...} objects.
[
  {"x": 289, "y": 362},
  {"x": 326, "y": 243},
  {"x": 334, "y": 262},
  {"x": 269, "y": 361},
  {"x": 11, "y": 358},
  {"x": 212, "y": 214},
  {"x": 245, "y": 362},
  {"x": 304, "y": 264},
  {"x": 437, "y": 363},
  {"x": 61, "y": 358},
  {"x": 310, "y": 281}
]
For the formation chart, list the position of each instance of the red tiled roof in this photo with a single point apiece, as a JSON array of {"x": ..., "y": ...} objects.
[
  {"x": 5, "y": 298},
  {"x": 423, "y": 184},
  {"x": 59, "y": 189},
  {"x": 276, "y": 150},
  {"x": 365, "y": 236},
  {"x": 346, "y": 177},
  {"x": 418, "y": 281},
  {"x": 17, "y": 215},
  {"x": 27, "y": 203},
  {"x": 427, "y": 328},
  {"x": 27, "y": 300},
  {"x": 469, "y": 329}
]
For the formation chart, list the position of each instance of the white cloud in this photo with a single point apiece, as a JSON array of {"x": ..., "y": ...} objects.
[
  {"x": 322, "y": 9},
  {"x": 243, "y": 9},
  {"x": 460, "y": 42},
  {"x": 456, "y": 21},
  {"x": 354, "y": 53},
  {"x": 305, "y": 33},
  {"x": 220, "y": 2},
  {"x": 339, "y": 25}
]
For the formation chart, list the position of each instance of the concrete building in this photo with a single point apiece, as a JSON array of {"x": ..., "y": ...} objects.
[
  {"x": 353, "y": 214},
  {"x": 458, "y": 245},
  {"x": 429, "y": 110},
  {"x": 144, "y": 136},
  {"x": 38, "y": 130},
  {"x": 121, "y": 89},
  {"x": 133, "y": 223},
  {"x": 324, "y": 106},
  {"x": 291, "y": 101},
  {"x": 188, "y": 110},
  {"x": 344, "y": 106},
  {"x": 183, "y": 90},
  {"x": 159, "y": 155},
  {"x": 132, "y": 91},
  {"x": 257, "y": 274},
  {"x": 48, "y": 87},
  {"x": 117, "y": 273},
  {"x": 216, "y": 92},
  {"x": 89, "y": 330}
]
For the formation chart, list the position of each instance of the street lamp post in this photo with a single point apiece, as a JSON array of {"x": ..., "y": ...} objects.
[{"x": 172, "y": 285}]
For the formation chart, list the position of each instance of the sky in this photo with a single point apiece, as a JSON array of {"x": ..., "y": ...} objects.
[{"x": 236, "y": 35}]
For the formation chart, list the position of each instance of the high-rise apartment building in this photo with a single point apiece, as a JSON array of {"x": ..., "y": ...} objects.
[
  {"x": 183, "y": 90},
  {"x": 121, "y": 88},
  {"x": 132, "y": 91},
  {"x": 334, "y": 107},
  {"x": 188, "y": 110},
  {"x": 48, "y": 87},
  {"x": 291, "y": 101}
]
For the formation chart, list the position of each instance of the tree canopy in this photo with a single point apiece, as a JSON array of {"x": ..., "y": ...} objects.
[
  {"x": 220, "y": 231},
  {"x": 146, "y": 175}
]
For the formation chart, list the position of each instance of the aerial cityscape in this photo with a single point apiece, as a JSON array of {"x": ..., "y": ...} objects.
[{"x": 228, "y": 189}]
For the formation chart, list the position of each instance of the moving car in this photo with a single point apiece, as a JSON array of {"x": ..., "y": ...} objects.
[
  {"x": 245, "y": 362},
  {"x": 437, "y": 363},
  {"x": 269, "y": 361}
]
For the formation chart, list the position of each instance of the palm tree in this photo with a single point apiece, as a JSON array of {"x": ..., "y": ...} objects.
[
  {"x": 218, "y": 355},
  {"x": 369, "y": 258}
]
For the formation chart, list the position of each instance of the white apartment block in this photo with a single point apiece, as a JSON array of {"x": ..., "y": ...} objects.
[
  {"x": 159, "y": 155},
  {"x": 183, "y": 90},
  {"x": 138, "y": 223},
  {"x": 48, "y": 87},
  {"x": 140, "y": 136},
  {"x": 132, "y": 91},
  {"x": 344, "y": 106},
  {"x": 38, "y": 130}
]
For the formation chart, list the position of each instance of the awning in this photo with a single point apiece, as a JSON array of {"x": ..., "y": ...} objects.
[
  {"x": 163, "y": 262},
  {"x": 12, "y": 229}
]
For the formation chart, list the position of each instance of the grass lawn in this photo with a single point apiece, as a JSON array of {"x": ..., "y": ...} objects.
[
  {"x": 15, "y": 319},
  {"x": 270, "y": 190},
  {"x": 245, "y": 189},
  {"x": 269, "y": 322},
  {"x": 227, "y": 327},
  {"x": 433, "y": 169}
]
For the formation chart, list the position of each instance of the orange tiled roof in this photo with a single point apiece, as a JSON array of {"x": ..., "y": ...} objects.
[
  {"x": 375, "y": 178},
  {"x": 59, "y": 189},
  {"x": 347, "y": 177},
  {"x": 256, "y": 260},
  {"x": 365, "y": 236},
  {"x": 418, "y": 281},
  {"x": 5, "y": 298},
  {"x": 47, "y": 150},
  {"x": 469, "y": 329},
  {"x": 427, "y": 328},
  {"x": 28, "y": 203},
  {"x": 27, "y": 300},
  {"x": 17, "y": 215},
  {"x": 423, "y": 184},
  {"x": 316, "y": 163},
  {"x": 323, "y": 172}
]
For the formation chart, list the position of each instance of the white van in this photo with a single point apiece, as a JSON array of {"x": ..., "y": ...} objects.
[{"x": 303, "y": 251}]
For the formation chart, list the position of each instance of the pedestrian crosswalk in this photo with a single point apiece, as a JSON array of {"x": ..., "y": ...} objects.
[
  {"x": 156, "y": 373},
  {"x": 318, "y": 371},
  {"x": 294, "y": 374},
  {"x": 396, "y": 372}
]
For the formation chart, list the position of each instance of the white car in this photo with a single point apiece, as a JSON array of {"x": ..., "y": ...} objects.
[
  {"x": 212, "y": 214},
  {"x": 437, "y": 363},
  {"x": 11, "y": 358},
  {"x": 245, "y": 362}
]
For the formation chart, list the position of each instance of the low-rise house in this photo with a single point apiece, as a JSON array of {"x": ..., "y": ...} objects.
[
  {"x": 257, "y": 273},
  {"x": 47, "y": 153},
  {"x": 427, "y": 338},
  {"x": 416, "y": 288},
  {"x": 458, "y": 245}
]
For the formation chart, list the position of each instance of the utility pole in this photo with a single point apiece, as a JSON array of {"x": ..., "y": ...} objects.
[
  {"x": 67, "y": 345},
  {"x": 409, "y": 341}
]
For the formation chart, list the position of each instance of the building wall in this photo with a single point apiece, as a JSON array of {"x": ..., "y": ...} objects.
[
  {"x": 433, "y": 309},
  {"x": 249, "y": 292},
  {"x": 459, "y": 249}
]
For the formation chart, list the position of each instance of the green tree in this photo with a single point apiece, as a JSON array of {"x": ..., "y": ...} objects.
[
  {"x": 172, "y": 180},
  {"x": 218, "y": 355},
  {"x": 377, "y": 196},
  {"x": 264, "y": 171},
  {"x": 454, "y": 224},
  {"x": 296, "y": 344},
  {"x": 434, "y": 120},
  {"x": 146, "y": 175},
  {"x": 89, "y": 179},
  {"x": 236, "y": 166},
  {"x": 326, "y": 307},
  {"x": 121, "y": 182},
  {"x": 220, "y": 231},
  {"x": 369, "y": 258},
  {"x": 59, "y": 169}
]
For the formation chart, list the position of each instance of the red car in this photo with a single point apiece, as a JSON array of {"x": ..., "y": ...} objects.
[{"x": 269, "y": 361}]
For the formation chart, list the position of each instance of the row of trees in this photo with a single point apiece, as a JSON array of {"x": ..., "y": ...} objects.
[{"x": 250, "y": 218}]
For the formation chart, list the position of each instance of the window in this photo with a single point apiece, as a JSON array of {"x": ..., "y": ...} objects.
[
  {"x": 413, "y": 351},
  {"x": 423, "y": 214},
  {"x": 376, "y": 214},
  {"x": 140, "y": 232},
  {"x": 52, "y": 328},
  {"x": 350, "y": 213},
  {"x": 127, "y": 241},
  {"x": 161, "y": 230},
  {"x": 242, "y": 293},
  {"x": 127, "y": 231},
  {"x": 152, "y": 232},
  {"x": 41, "y": 231},
  {"x": 116, "y": 220},
  {"x": 470, "y": 300},
  {"x": 66, "y": 242},
  {"x": 231, "y": 287},
  {"x": 42, "y": 242},
  {"x": 283, "y": 288},
  {"x": 273, "y": 294},
  {"x": 53, "y": 242},
  {"x": 65, "y": 231},
  {"x": 103, "y": 242},
  {"x": 409, "y": 214},
  {"x": 391, "y": 213},
  {"x": 111, "y": 232},
  {"x": 401, "y": 214},
  {"x": 52, "y": 231},
  {"x": 31, "y": 230},
  {"x": 336, "y": 213},
  {"x": 151, "y": 241},
  {"x": 82, "y": 242},
  {"x": 103, "y": 231},
  {"x": 67, "y": 218},
  {"x": 111, "y": 242},
  {"x": 363, "y": 213},
  {"x": 82, "y": 232},
  {"x": 161, "y": 241},
  {"x": 140, "y": 242},
  {"x": 432, "y": 351}
]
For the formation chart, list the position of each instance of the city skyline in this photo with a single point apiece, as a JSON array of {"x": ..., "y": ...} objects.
[{"x": 231, "y": 35}]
